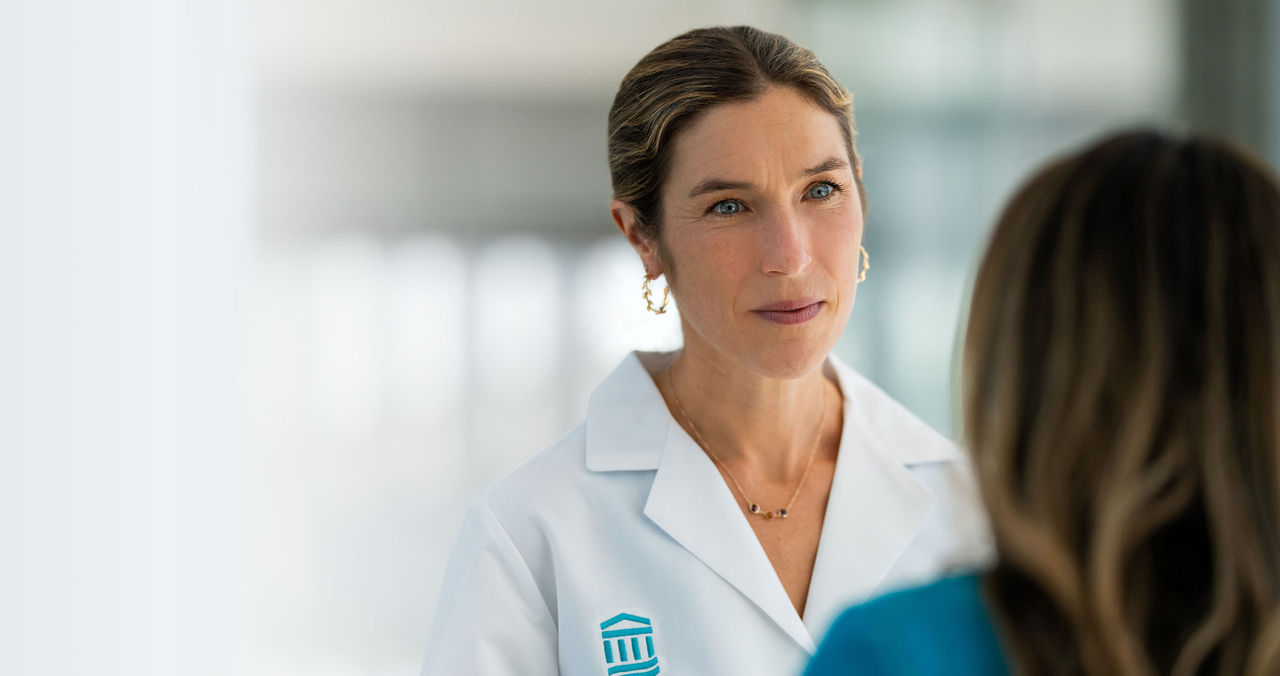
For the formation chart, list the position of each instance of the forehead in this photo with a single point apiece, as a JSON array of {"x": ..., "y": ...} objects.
[{"x": 780, "y": 132}]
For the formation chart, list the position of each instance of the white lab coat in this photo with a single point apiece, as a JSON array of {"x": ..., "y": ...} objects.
[{"x": 622, "y": 538}]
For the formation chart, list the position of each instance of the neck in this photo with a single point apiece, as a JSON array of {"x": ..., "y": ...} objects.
[{"x": 767, "y": 425}]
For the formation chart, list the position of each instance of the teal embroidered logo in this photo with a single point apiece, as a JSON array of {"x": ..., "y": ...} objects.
[{"x": 628, "y": 645}]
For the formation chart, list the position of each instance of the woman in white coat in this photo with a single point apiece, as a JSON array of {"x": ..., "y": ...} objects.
[{"x": 720, "y": 504}]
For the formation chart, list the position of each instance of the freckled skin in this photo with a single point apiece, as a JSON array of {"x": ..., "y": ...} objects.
[
  {"x": 782, "y": 244},
  {"x": 754, "y": 387}
]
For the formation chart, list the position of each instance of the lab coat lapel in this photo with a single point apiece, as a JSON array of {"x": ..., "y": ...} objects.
[
  {"x": 875, "y": 510},
  {"x": 690, "y": 501},
  {"x": 876, "y": 506}
]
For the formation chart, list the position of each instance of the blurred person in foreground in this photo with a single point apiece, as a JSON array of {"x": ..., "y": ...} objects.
[
  {"x": 721, "y": 503},
  {"x": 1122, "y": 403}
]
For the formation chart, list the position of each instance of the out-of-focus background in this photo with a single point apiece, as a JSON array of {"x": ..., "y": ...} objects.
[{"x": 283, "y": 284}]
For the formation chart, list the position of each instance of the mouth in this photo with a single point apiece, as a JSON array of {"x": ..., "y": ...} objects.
[{"x": 789, "y": 312}]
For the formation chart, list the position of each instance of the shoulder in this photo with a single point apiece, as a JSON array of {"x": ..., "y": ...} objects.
[
  {"x": 950, "y": 599},
  {"x": 553, "y": 474},
  {"x": 938, "y": 462},
  {"x": 530, "y": 515},
  {"x": 939, "y": 628},
  {"x": 906, "y": 436},
  {"x": 604, "y": 462},
  {"x": 554, "y": 498},
  {"x": 560, "y": 459}
]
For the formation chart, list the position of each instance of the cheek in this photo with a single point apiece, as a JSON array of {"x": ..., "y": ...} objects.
[
  {"x": 840, "y": 249},
  {"x": 710, "y": 271},
  {"x": 712, "y": 256}
]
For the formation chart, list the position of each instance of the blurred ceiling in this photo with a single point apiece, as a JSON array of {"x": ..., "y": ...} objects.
[
  {"x": 539, "y": 49},
  {"x": 392, "y": 116},
  {"x": 921, "y": 51}
]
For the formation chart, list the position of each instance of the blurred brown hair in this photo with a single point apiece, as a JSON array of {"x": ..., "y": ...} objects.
[
  {"x": 1122, "y": 402},
  {"x": 686, "y": 76}
]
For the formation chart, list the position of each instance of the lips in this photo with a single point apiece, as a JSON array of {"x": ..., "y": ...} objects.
[
  {"x": 788, "y": 312},
  {"x": 787, "y": 305}
]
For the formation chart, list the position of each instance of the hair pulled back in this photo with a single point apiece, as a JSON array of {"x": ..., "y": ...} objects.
[{"x": 686, "y": 76}]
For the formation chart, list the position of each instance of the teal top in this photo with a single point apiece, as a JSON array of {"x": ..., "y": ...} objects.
[{"x": 940, "y": 629}]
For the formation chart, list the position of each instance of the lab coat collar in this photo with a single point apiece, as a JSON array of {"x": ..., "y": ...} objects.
[
  {"x": 627, "y": 418},
  {"x": 875, "y": 509}
]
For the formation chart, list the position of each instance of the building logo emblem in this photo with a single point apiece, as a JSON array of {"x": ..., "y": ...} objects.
[{"x": 628, "y": 645}]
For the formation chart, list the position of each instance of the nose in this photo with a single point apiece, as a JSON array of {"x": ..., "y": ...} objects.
[{"x": 785, "y": 244}]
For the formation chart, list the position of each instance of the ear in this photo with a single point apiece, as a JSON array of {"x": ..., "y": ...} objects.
[
  {"x": 859, "y": 168},
  {"x": 625, "y": 218}
]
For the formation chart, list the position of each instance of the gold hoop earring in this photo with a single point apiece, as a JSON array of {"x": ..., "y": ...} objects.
[
  {"x": 866, "y": 264},
  {"x": 648, "y": 299}
]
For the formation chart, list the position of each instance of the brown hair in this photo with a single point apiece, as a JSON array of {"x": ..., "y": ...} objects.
[
  {"x": 686, "y": 76},
  {"x": 1122, "y": 402}
]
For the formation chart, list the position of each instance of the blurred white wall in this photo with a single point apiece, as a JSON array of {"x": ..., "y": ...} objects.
[{"x": 125, "y": 183}]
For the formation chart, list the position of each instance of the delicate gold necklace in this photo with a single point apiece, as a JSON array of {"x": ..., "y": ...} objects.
[{"x": 752, "y": 507}]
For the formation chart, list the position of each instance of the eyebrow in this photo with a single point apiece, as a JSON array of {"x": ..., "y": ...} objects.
[{"x": 718, "y": 184}]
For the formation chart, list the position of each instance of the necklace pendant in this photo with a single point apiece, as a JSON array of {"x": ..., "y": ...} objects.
[
  {"x": 768, "y": 515},
  {"x": 755, "y": 509},
  {"x": 782, "y": 513}
]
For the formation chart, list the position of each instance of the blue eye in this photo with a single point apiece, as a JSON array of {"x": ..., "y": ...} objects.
[
  {"x": 821, "y": 191},
  {"x": 727, "y": 207}
]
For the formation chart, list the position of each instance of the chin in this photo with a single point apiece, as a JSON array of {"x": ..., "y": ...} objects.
[{"x": 790, "y": 360}]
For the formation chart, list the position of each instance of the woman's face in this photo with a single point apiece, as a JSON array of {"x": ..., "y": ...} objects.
[{"x": 762, "y": 224}]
